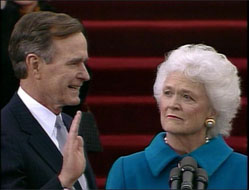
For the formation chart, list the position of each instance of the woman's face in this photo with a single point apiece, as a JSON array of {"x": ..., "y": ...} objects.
[{"x": 184, "y": 105}]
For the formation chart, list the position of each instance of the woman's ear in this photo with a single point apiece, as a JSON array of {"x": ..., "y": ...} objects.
[
  {"x": 212, "y": 113},
  {"x": 34, "y": 63}
]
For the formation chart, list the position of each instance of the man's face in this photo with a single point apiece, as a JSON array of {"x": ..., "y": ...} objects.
[{"x": 62, "y": 78}]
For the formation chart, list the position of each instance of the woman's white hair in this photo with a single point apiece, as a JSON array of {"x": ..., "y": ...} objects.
[{"x": 219, "y": 76}]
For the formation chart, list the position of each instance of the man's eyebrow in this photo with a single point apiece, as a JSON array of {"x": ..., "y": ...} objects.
[{"x": 77, "y": 60}]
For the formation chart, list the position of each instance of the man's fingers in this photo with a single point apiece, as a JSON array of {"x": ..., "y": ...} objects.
[
  {"x": 80, "y": 144},
  {"x": 73, "y": 133}
]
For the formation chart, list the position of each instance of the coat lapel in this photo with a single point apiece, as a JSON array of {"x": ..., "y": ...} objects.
[{"x": 38, "y": 138}]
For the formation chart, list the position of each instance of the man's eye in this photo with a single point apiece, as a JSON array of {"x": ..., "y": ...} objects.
[{"x": 71, "y": 63}]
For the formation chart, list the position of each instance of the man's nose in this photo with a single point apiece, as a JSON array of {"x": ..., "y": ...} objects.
[{"x": 83, "y": 74}]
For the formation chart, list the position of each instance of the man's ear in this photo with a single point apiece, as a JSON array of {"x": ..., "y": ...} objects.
[{"x": 34, "y": 64}]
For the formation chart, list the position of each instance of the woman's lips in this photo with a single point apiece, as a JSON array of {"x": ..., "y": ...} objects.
[{"x": 174, "y": 116}]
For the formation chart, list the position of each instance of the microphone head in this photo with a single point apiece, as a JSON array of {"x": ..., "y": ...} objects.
[
  {"x": 188, "y": 163},
  {"x": 202, "y": 175},
  {"x": 175, "y": 173},
  {"x": 175, "y": 178}
]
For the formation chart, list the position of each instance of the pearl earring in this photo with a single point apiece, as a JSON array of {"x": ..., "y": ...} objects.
[{"x": 209, "y": 123}]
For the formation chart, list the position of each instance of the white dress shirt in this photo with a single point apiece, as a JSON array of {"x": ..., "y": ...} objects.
[
  {"x": 47, "y": 120},
  {"x": 44, "y": 116}
]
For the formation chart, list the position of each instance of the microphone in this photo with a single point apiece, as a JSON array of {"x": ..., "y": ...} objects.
[
  {"x": 201, "y": 179},
  {"x": 188, "y": 167},
  {"x": 175, "y": 178}
]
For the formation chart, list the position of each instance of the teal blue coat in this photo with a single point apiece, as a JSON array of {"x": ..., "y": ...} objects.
[{"x": 149, "y": 169}]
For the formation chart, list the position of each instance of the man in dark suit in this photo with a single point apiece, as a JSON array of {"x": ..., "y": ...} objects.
[{"x": 48, "y": 53}]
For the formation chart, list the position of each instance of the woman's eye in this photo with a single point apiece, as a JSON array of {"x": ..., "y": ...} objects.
[
  {"x": 187, "y": 97},
  {"x": 167, "y": 92}
]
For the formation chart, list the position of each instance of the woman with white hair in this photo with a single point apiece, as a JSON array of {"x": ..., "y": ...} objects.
[{"x": 198, "y": 93}]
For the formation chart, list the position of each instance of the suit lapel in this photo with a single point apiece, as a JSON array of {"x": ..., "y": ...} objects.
[{"x": 38, "y": 138}]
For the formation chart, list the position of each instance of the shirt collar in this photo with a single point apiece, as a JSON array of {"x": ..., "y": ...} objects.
[
  {"x": 159, "y": 155},
  {"x": 44, "y": 116}
]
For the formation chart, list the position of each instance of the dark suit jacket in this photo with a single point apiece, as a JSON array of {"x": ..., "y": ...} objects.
[{"x": 29, "y": 158}]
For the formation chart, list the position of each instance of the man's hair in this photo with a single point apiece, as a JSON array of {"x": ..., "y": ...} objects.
[{"x": 34, "y": 33}]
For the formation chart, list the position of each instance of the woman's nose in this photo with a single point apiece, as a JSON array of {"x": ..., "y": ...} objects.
[{"x": 174, "y": 102}]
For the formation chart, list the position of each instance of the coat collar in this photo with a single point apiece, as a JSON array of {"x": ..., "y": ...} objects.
[{"x": 209, "y": 156}]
